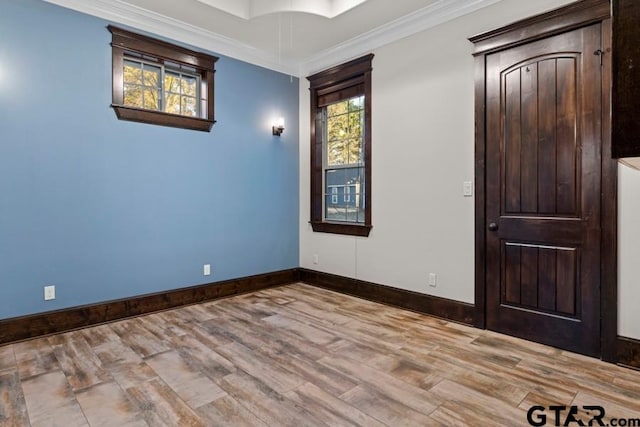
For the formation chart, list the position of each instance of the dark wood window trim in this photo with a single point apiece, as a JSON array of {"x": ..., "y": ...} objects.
[
  {"x": 123, "y": 42},
  {"x": 328, "y": 86}
]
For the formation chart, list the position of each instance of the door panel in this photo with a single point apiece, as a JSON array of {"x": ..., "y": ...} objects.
[
  {"x": 540, "y": 277},
  {"x": 543, "y": 185}
]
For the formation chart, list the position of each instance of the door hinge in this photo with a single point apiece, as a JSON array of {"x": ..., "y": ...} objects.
[{"x": 599, "y": 53}]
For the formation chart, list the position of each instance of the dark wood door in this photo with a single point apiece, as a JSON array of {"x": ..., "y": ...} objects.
[
  {"x": 543, "y": 181},
  {"x": 626, "y": 78}
]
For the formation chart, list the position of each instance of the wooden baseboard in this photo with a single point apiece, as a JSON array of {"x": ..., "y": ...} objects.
[
  {"x": 440, "y": 307},
  {"x": 629, "y": 352},
  {"x": 42, "y": 324},
  {"x": 31, "y": 326}
]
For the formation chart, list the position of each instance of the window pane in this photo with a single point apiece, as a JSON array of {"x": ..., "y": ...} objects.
[
  {"x": 334, "y": 178},
  {"x": 355, "y": 124},
  {"x": 151, "y": 75},
  {"x": 335, "y": 211},
  {"x": 337, "y": 108},
  {"x": 132, "y": 72},
  {"x": 172, "y": 103},
  {"x": 132, "y": 96},
  {"x": 337, "y": 152},
  {"x": 343, "y": 195},
  {"x": 337, "y": 127},
  {"x": 171, "y": 82},
  {"x": 189, "y": 85},
  {"x": 356, "y": 104},
  {"x": 355, "y": 151},
  {"x": 151, "y": 99},
  {"x": 334, "y": 196},
  {"x": 189, "y": 106}
]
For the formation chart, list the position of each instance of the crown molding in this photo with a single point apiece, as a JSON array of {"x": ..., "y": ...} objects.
[
  {"x": 120, "y": 12},
  {"x": 420, "y": 20}
]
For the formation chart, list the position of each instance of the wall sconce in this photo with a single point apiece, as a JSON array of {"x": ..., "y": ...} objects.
[{"x": 278, "y": 126}]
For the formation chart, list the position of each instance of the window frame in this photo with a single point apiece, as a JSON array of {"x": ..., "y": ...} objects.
[
  {"x": 124, "y": 42},
  {"x": 338, "y": 83}
]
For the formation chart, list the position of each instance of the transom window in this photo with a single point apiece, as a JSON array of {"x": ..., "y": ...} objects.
[
  {"x": 341, "y": 148},
  {"x": 160, "y": 83},
  {"x": 156, "y": 87}
]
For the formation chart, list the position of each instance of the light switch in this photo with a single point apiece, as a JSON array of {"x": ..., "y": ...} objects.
[{"x": 467, "y": 189}]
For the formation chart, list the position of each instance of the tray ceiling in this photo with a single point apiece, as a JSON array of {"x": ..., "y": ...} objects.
[{"x": 248, "y": 9}]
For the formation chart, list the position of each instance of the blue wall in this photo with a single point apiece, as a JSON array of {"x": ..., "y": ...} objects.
[{"x": 107, "y": 209}]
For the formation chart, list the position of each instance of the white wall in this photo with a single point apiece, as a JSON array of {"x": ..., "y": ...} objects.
[
  {"x": 423, "y": 139},
  {"x": 628, "y": 251}
]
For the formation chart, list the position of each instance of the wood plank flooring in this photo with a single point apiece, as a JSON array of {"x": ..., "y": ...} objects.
[{"x": 297, "y": 356}]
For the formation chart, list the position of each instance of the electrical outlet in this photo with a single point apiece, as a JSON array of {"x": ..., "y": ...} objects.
[
  {"x": 206, "y": 270},
  {"x": 433, "y": 280},
  {"x": 49, "y": 293},
  {"x": 315, "y": 258}
]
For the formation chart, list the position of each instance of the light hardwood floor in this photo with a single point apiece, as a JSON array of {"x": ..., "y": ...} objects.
[{"x": 297, "y": 356}]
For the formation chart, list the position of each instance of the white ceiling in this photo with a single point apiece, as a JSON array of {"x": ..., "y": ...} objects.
[
  {"x": 248, "y": 9},
  {"x": 297, "y": 37}
]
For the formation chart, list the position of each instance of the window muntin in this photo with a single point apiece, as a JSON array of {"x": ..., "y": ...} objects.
[{"x": 160, "y": 83}]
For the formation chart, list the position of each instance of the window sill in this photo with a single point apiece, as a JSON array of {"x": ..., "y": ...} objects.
[
  {"x": 341, "y": 228},
  {"x": 164, "y": 119}
]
